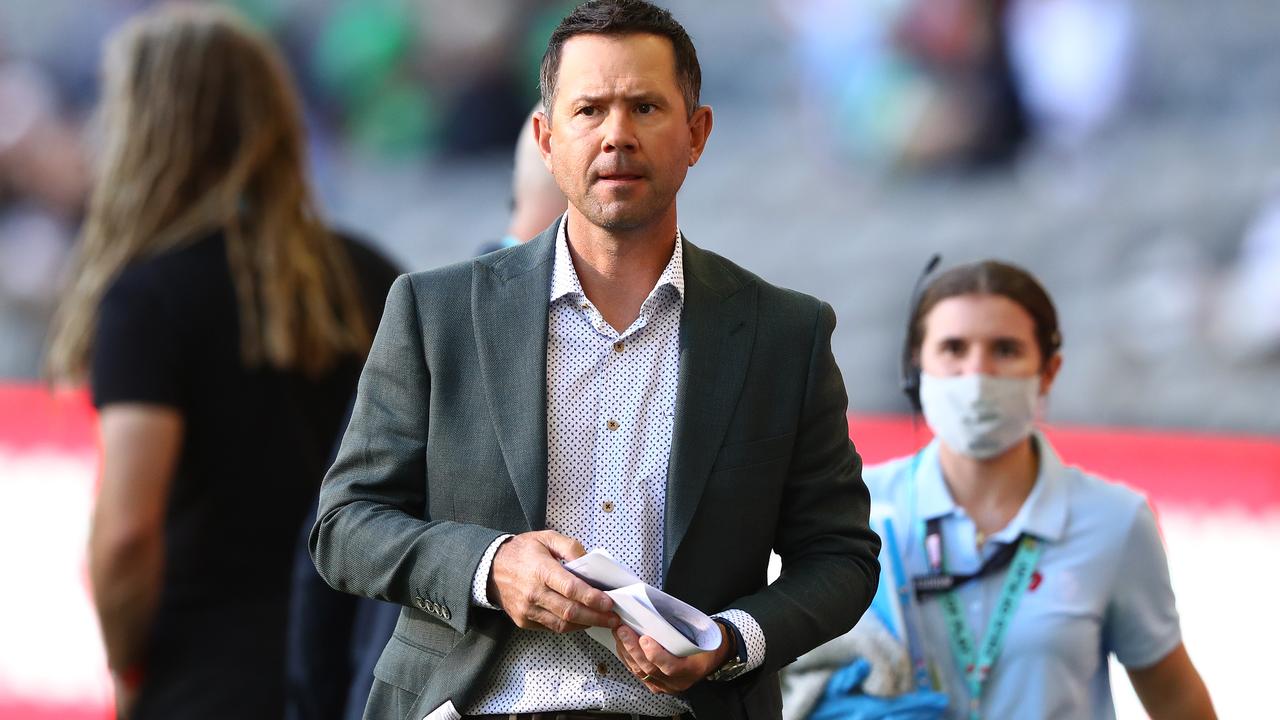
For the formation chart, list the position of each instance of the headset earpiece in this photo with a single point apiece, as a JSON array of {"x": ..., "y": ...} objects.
[{"x": 909, "y": 371}]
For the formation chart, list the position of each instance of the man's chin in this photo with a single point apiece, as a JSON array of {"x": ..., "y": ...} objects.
[{"x": 622, "y": 217}]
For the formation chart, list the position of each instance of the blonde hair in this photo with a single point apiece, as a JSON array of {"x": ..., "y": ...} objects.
[{"x": 202, "y": 132}]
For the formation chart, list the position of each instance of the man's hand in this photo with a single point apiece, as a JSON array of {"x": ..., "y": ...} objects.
[
  {"x": 529, "y": 583},
  {"x": 662, "y": 672}
]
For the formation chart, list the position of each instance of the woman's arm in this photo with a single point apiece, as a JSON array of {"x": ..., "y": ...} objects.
[
  {"x": 140, "y": 445},
  {"x": 1172, "y": 689}
]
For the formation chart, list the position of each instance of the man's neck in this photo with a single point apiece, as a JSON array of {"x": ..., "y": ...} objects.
[
  {"x": 618, "y": 270},
  {"x": 991, "y": 491}
]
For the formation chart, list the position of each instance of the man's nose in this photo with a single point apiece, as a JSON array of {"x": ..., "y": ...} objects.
[{"x": 619, "y": 132}]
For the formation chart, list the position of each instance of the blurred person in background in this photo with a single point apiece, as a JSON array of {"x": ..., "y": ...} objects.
[
  {"x": 335, "y": 638},
  {"x": 536, "y": 199},
  {"x": 43, "y": 185},
  {"x": 959, "y": 83},
  {"x": 221, "y": 328},
  {"x": 996, "y": 532}
]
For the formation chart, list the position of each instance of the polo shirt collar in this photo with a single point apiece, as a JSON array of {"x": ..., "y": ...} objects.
[{"x": 1043, "y": 514}]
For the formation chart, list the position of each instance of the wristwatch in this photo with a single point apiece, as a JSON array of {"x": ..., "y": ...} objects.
[{"x": 737, "y": 662}]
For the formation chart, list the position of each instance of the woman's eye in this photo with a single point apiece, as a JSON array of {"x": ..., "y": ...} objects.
[{"x": 1007, "y": 350}]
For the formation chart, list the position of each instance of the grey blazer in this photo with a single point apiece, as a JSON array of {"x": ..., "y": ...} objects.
[{"x": 447, "y": 450}]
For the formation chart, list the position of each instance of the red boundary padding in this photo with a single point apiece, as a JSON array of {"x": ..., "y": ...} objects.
[
  {"x": 53, "y": 711},
  {"x": 34, "y": 417},
  {"x": 1172, "y": 468},
  {"x": 1180, "y": 468}
]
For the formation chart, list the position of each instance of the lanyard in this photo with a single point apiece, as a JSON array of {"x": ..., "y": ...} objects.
[
  {"x": 906, "y": 602},
  {"x": 976, "y": 662},
  {"x": 938, "y": 581}
]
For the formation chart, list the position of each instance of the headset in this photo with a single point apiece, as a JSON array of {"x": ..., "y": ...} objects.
[{"x": 909, "y": 371}]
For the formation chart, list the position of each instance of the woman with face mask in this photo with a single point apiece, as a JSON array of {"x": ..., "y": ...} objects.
[{"x": 1027, "y": 573}]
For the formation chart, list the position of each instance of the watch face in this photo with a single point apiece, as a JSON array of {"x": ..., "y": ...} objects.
[{"x": 730, "y": 670}]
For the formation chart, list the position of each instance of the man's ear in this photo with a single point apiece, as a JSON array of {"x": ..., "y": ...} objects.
[
  {"x": 699, "y": 130},
  {"x": 541, "y": 129}
]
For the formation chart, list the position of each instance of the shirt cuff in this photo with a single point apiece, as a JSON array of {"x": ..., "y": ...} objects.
[
  {"x": 752, "y": 635},
  {"x": 480, "y": 583}
]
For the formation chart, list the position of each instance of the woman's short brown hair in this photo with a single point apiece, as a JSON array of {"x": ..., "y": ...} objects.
[{"x": 987, "y": 277}]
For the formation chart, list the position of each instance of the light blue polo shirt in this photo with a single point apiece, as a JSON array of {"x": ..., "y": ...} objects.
[{"x": 1102, "y": 586}]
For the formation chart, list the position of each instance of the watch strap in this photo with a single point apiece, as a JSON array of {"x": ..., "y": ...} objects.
[{"x": 737, "y": 662}]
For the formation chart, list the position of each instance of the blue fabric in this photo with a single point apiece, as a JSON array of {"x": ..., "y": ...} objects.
[
  {"x": 1101, "y": 587},
  {"x": 843, "y": 700}
]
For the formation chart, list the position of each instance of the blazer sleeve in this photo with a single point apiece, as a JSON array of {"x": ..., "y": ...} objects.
[
  {"x": 828, "y": 550},
  {"x": 372, "y": 536}
]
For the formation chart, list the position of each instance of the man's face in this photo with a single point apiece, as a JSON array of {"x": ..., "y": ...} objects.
[{"x": 620, "y": 139}]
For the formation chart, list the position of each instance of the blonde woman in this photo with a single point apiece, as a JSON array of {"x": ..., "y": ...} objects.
[{"x": 221, "y": 329}]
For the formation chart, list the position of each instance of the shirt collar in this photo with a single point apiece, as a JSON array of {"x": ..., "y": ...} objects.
[
  {"x": 564, "y": 278},
  {"x": 1043, "y": 514}
]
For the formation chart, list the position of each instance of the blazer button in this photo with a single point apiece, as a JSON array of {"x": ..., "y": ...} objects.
[
  {"x": 446, "y": 613},
  {"x": 420, "y": 603}
]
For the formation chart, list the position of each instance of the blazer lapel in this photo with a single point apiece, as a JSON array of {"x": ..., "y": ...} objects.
[
  {"x": 717, "y": 329},
  {"x": 509, "y": 307}
]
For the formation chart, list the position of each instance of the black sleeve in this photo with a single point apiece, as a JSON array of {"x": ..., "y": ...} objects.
[
  {"x": 374, "y": 274},
  {"x": 135, "y": 355}
]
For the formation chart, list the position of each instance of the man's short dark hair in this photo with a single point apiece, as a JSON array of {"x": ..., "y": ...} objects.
[{"x": 623, "y": 17}]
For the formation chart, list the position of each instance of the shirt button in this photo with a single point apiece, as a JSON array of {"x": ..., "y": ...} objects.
[
  {"x": 607, "y": 505},
  {"x": 601, "y": 669},
  {"x": 618, "y": 346},
  {"x": 612, "y": 425},
  {"x": 584, "y": 305}
]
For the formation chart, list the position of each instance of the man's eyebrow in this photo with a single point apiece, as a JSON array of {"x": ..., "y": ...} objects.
[{"x": 641, "y": 96}]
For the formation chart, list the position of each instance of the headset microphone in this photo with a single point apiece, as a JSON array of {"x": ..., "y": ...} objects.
[{"x": 908, "y": 373}]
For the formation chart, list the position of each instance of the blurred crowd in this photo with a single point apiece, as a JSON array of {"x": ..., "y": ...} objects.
[{"x": 891, "y": 92}]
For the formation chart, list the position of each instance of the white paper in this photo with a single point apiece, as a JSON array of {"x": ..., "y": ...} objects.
[{"x": 680, "y": 628}]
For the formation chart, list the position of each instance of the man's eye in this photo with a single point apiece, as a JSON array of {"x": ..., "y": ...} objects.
[
  {"x": 587, "y": 111},
  {"x": 645, "y": 108}
]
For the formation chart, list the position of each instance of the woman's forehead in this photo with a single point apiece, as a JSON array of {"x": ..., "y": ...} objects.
[{"x": 979, "y": 315}]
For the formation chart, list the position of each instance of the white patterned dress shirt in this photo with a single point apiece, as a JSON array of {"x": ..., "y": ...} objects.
[{"x": 610, "y": 413}]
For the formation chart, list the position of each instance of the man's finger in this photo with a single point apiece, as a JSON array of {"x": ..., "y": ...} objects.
[
  {"x": 551, "y": 622},
  {"x": 562, "y": 546},
  {"x": 631, "y": 644},
  {"x": 627, "y": 659},
  {"x": 575, "y": 589},
  {"x": 665, "y": 662},
  {"x": 574, "y": 612}
]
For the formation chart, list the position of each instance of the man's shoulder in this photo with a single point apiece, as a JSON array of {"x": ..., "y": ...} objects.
[
  {"x": 503, "y": 264},
  {"x": 726, "y": 277}
]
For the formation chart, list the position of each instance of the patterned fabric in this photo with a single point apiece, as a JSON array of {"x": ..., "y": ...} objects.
[{"x": 610, "y": 414}]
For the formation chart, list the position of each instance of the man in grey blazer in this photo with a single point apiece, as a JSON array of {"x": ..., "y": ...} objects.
[{"x": 608, "y": 384}]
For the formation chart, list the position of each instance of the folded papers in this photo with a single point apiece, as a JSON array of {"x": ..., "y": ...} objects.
[{"x": 680, "y": 628}]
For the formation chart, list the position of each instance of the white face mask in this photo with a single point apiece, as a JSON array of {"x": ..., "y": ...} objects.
[{"x": 979, "y": 415}]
